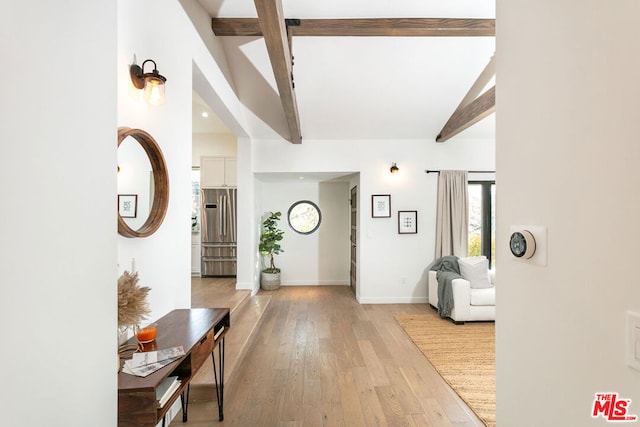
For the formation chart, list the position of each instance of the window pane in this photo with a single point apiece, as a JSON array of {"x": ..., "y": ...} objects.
[
  {"x": 475, "y": 219},
  {"x": 482, "y": 223},
  {"x": 195, "y": 200},
  {"x": 304, "y": 217}
]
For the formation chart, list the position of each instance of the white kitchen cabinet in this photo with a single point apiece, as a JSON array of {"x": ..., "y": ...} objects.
[
  {"x": 218, "y": 172},
  {"x": 231, "y": 171}
]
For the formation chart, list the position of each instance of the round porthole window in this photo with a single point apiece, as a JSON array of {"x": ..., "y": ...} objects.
[{"x": 304, "y": 217}]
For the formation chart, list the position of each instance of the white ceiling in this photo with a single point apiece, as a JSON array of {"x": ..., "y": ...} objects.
[
  {"x": 305, "y": 177},
  {"x": 362, "y": 87},
  {"x": 209, "y": 124}
]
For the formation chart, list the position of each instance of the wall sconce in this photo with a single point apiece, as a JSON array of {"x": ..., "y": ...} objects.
[
  {"x": 152, "y": 83},
  {"x": 394, "y": 168}
]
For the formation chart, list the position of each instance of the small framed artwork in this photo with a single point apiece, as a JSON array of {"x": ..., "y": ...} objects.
[
  {"x": 407, "y": 222},
  {"x": 381, "y": 206},
  {"x": 128, "y": 205}
]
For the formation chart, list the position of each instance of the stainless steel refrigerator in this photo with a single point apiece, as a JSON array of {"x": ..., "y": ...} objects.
[{"x": 218, "y": 232}]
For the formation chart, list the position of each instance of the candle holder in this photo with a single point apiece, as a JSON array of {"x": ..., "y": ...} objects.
[{"x": 145, "y": 334}]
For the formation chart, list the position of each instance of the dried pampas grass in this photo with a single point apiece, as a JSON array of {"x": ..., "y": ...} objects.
[{"x": 132, "y": 300}]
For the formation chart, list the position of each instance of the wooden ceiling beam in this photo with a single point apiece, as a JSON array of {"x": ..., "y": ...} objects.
[
  {"x": 469, "y": 115},
  {"x": 465, "y": 114},
  {"x": 236, "y": 27},
  {"x": 276, "y": 38},
  {"x": 362, "y": 27},
  {"x": 481, "y": 82}
]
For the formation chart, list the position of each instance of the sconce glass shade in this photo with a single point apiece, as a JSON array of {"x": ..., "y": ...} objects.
[
  {"x": 152, "y": 83},
  {"x": 394, "y": 168},
  {"x": 154, "y": 91}
]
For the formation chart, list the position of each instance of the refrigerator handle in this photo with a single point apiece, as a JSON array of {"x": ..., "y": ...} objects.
[
  {"x": 220, "y": 215},
  {"x": 203, "y": 225},
  {"x": 224, "y": 215}
]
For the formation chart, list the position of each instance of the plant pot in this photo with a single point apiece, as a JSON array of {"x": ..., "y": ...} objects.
[{"x": 269, "y": 281}]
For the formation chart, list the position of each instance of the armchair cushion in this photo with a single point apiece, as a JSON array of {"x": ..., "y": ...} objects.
[
  {"x": 485, "y": 296},
  {"x": 476, "y": 271}
]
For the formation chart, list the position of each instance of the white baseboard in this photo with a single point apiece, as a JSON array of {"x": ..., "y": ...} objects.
[
  {"x": 254, "y": 288},
  {"x": 392, "y": 300},
  {"x": 320, "y": 283}
]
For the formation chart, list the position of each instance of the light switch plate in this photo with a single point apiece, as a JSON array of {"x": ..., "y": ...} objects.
[{"x": 633, "y": 340}]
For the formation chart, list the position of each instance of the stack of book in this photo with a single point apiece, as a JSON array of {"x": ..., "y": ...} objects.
[{"x": 165, "y": 390}]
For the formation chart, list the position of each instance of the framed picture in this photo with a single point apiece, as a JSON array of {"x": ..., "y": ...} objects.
[
  {"x": 128, "y": 205},
  {"x": 407, "y": 222},
  {"x": 381, "y": 206}
]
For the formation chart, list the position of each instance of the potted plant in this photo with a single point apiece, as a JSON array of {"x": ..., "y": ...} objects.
[{"x": 270, "y": 237}]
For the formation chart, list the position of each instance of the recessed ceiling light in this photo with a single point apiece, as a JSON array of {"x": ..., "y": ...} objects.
[
  {"x": 301, "y": 177},
  {"x": 205, "y": 114}
]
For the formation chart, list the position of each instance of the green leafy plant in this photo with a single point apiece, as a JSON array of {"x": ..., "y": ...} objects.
[{"x": 269, "y": 240}]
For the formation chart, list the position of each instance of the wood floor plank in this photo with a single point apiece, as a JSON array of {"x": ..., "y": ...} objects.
[
  {"x": 373, "y": 364},
  {"x": 271, "y": 405},
  {"x": 417, "y": 384},
  {"x": 373, "y": 413},
  {"x": 420, "y": 420},
  {"x": 329, "y": 378},
  {"x": 353, "y": 411},
  {"x": 435, "y": 414},
  {"x": 294, "y": 387},
  {"x": 312, "y": 357},
  {"x": 333, "y": 414},
  {"x": 408, "y": 400},
  {"x": 391, "y": 406},
  {"x": 367, "y": 330},
  {"x": 312, "y": 403}
]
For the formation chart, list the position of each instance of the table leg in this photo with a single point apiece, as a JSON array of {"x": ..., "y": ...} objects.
[
  {"x": 184, "y": 400},
  {"x": 219, "y": 386}
]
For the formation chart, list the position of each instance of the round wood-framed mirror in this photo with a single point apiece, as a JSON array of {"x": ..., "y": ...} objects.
[{"x": 160, "y": 184}]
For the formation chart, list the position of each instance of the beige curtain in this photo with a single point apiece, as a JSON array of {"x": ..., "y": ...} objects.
[{"x": 452, "y": 220}]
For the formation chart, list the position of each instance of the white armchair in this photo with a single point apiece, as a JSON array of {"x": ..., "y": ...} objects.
[{"x": 470, "y": 304}]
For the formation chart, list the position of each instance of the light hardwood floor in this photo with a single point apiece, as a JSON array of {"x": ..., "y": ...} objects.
[{"x": 322, "y": 359}]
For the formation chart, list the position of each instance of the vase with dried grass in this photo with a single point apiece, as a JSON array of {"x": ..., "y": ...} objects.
[{"x": 132, "y": 308}]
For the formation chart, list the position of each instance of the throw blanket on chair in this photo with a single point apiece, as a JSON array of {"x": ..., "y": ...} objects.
[{"x": 448, "y": 269}]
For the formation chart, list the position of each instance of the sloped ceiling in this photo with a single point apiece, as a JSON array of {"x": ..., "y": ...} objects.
[
  {"x": 204, "y": 118},
  {"x": 361, "y": 87}
]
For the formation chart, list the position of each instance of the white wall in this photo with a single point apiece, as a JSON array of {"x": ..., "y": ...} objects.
[
  {"x": 248, "y": 275},
  {"x": 213, "y": 145},
  {"x": 320, "y": 258},
  {"x": 567, "y": 158},
  {"x": 58, "y": 224},
  {"x": 162, "y": 259},
  {"x": 391, "y": 266}
]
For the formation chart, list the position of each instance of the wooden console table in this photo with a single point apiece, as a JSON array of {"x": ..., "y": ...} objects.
[{"x": 198, "y": 331}]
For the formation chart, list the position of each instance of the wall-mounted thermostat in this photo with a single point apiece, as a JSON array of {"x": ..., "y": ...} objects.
[
  {"x": 522, "y": 244},
  {"x": 528, "y": 243}
]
